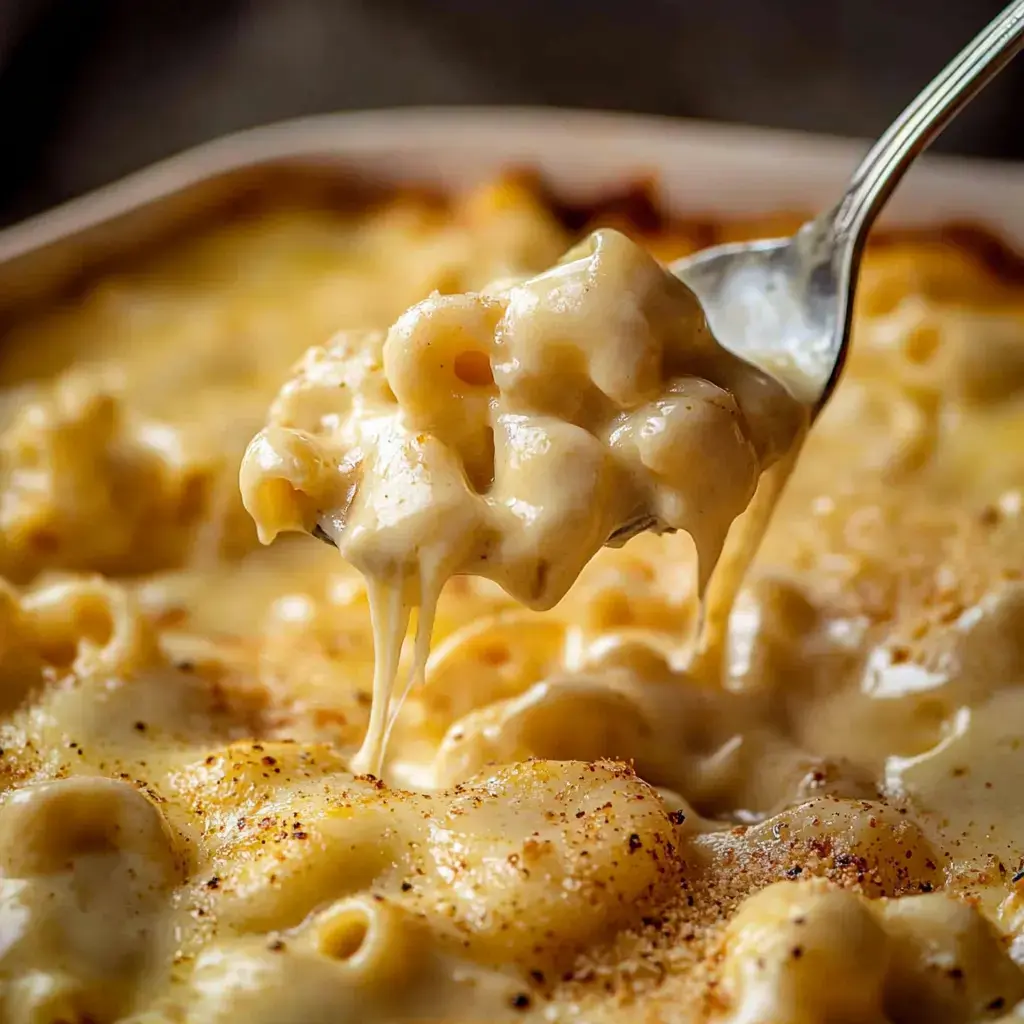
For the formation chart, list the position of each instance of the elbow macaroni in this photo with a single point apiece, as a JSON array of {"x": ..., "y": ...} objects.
[
  {"x": 577, "y": 820},
  {"x": 510, "y": 434}
]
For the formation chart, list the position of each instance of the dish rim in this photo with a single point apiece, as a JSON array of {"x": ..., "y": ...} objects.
[
  {"x": 698, "y": 169},
  {"x": 427, "y": 145}
]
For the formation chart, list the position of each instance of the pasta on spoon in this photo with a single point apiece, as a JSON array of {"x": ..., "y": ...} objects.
[{"x": 510, "y": 434}]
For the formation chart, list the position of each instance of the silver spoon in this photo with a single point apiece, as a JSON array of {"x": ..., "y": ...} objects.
[{"x": 784, "y": 304}]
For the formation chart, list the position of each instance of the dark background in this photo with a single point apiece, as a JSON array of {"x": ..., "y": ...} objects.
[{"x": 91, "y": 89}]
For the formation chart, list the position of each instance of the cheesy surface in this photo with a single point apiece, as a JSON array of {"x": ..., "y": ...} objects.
[{"x": 832, "y": 830}]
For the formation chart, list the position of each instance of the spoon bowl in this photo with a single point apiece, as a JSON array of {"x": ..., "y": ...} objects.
[
  {"x": 785, "y": 304},
  {"x": 778, "y": 304}
]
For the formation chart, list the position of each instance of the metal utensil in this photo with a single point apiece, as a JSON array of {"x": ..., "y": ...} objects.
[{"x": 784, "y": 304}]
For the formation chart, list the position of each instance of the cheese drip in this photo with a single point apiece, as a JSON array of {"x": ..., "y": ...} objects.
[{"x": 509, "y": 434}]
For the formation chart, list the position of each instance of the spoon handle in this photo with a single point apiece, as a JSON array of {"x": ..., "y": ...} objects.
[{"x": 914, "y": 130}]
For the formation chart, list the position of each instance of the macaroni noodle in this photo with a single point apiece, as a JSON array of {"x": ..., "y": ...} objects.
[{"x": 510, "y": 434}]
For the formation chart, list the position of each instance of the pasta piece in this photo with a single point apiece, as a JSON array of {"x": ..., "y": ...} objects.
[
  {"x": 86, "y": 868},
  {"x": 488, "y": 660},
  {"x": 86, "y": 627},
  {"x": 266, "y": 983},
  {"x": 606, "y": 723},
  {"x": 511, "y": 433},
  {"x": 232, "y": 784},
  {"x": 89, "y": 626},
  {"x": 359, "y": 961},
  {"x": 378, "y": 943},
  {"x": 88, "y": 487},
  {"x": 950, "y": 966},
  {"x": 774, "y": 624},
  {"x": 282, "y": 868},
  {"x": 533, "y": 862},
  {"x": 856, "y": 842},
  {"x": 960, "y": 356},
  {"x": 803, "y": 953}
]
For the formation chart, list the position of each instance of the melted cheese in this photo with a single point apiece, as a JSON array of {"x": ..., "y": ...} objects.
[
  {"x": 510, "y": 434},
  {"x": 829, "y": 828}
]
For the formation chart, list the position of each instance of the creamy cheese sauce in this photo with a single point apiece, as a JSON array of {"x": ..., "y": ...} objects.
[
  {"x": 510, "y": 434},
  {"x": 577, "y": 821}
]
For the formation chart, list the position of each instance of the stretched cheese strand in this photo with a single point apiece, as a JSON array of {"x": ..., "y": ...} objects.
[{"x": 510, "y": 434}]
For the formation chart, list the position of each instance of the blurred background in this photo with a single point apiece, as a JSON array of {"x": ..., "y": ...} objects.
[{"x": 92, "y": 89}]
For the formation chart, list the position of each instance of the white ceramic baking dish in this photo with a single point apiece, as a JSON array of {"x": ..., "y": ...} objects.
[{"x": 700, "y": 169}]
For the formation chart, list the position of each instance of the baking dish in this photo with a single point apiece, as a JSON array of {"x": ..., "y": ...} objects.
[{"x": 698, "y": 168}]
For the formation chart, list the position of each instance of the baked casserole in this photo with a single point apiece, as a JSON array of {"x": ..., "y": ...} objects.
[{"x": 570, "y": 823}]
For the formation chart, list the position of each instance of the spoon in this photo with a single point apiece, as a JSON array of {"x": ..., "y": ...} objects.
[{"x": 784, "y": 304}]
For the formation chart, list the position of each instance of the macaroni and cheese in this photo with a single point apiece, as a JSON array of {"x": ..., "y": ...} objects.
[
  {"x": 512, "y": 433},
  {"x": 575, "y": 821}
]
